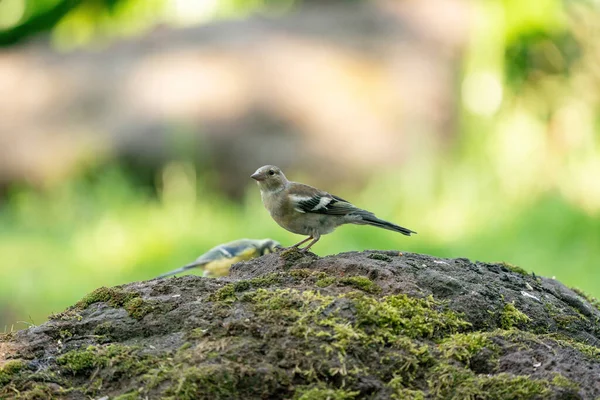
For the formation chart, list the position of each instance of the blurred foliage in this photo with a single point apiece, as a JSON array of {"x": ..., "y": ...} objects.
[
  {"x": 75, "y": 23},
  {"x": 520, "y": 184}
]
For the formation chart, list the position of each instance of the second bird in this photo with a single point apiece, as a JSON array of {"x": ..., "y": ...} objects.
[
  {"x": 218, "y": 260},
  {"x": 306, "y": 210}
]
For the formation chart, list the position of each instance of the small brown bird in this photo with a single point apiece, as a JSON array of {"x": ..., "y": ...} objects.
[{"x": 306, "y": 210}]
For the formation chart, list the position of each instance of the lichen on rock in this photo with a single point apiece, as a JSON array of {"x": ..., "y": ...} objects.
[{"x": 373, "y": 325}]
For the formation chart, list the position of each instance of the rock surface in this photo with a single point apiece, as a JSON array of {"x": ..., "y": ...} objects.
[{"x": 373, "y": 325}]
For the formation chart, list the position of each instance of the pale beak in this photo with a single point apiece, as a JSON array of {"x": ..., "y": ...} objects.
[{"x": 257, "y": 176}]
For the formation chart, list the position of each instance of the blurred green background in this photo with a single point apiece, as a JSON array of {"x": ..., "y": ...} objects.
[{"x": 518, "y": 180}]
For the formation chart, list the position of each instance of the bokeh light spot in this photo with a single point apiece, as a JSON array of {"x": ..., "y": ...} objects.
[
  {"x": 482, "y": 93},
  {"x": 11, "y": 12}
]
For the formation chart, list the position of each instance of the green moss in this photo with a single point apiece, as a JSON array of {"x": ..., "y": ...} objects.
[
  {"x": 105, "y": 328},
  {"x": 265, "y": 280},
  {"x": 464, "y": 346},
  {"x": 285, "y": 302},
  {"x": 511, "y": 317},
  {"x": 65, "y": 334},
  {"x": 68, "y": 315},
  {"x": 321, "y": 392},
  {"x": 223, "y": 381},
  {"x": 401, "y": 314},
  {"x": 562, "y": 382},
  {"x": 506, "y": 386},
  {"x": 10, "y": 370},
  {"x": 292, "y": 256},
  {"x": 324, "y": 282},
  {"x": 451, "y": 382},
  {"x": 391, "y": 322},
  {"x": 114, "y": 297},
  {"x": 361, "y": 282},
  {"x": 522, "y": 337},
  {"x": 407, "y": 359},
  {"x": 563, "y": 318},
  {"x": 138, "y": 308},
  {"x": 567, "y": 322},
  {"x": 227, "y": 292},
  {"x": 592, "y": 352},
  {"x": 224, "y": 294},
  {"x": 212, "y": 381},
  {"x": 81, "y": 361},
  {"x": 590, "y": 299},
  {"x": 400, "y": 392},
  {"x": 196, "y": 333},
  {"x": 301, "y": 273},
  {"x": 513, "y": 268},
  {"x": 123, "y": 362},
  {"x": 38, "y": 392},
  {"x": 118, "y": 358},
  {"x": 133, "y": 395},
  {"x": 380, "y": 257}
]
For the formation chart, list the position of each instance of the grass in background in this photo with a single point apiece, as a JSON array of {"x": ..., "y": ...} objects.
[{"x": 62, "y": 243}]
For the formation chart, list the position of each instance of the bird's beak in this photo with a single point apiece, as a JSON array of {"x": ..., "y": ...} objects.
[{"x": 257, "y": 176}]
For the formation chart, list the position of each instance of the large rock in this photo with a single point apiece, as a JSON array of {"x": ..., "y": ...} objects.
[{"x": 355, "y": 325}]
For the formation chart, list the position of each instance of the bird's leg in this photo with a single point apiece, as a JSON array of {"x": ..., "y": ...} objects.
[
  {"x": 315, "y": 240},
  {"x": 301, "y": 242}
]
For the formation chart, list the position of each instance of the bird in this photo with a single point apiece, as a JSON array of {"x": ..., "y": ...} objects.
[
  {"x": 218, "y": 260},
  {"x": 306, "y": 210}
]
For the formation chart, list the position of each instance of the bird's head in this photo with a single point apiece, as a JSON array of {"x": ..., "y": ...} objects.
[
  {"x": 270, "y": 178},
  {"x": 268, "y": 246}
]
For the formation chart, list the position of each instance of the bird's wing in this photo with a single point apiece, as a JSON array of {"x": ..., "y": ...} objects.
[
  {"x": 227, "y": 250},
  {"x": 307, "y": 199},
  {"x": 241, "y": 247}
]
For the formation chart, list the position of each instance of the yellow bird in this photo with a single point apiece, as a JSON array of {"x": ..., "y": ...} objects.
[{"x": 218, "y": 260}]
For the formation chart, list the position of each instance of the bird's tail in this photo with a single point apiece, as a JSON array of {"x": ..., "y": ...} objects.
[
  {"x": 182, "y": 269},
  {"x": 369, "y": 219}
]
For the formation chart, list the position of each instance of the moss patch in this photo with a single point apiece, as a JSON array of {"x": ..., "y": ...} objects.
[
  {"x": 326, "y": 281},
  {"x": 513, "y": 268},
  {"x": 451, "y": 382},
  {"x": 592, "y": 352},
  {"x": 138, "y": 308},
  {"x": 380, "y": 257},
  {"x": 119, "y": 358},
  {"x": 80, "y": 361},
  {"x": 10, "y": 370},
  {"x": 67, "y": 315},
  {"x": 511, "y": 317},
  {"x": 323, "y": 393},
  {"x": 301, "y": 273},
  {"x": 361, "y": 282},
  {"x": 134, "y": 395},
  {"x": 227, "y": 292},
  {"x": 401, "y": 314},
  {"x": 292, "y": 256},
  {"x": 114, "y": 297},
  {"x": 223, "y": 381},
  {"x": 463, "y": 347}
]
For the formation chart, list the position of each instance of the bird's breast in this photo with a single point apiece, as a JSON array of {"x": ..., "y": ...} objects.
[{"x": 221, "y": 267}]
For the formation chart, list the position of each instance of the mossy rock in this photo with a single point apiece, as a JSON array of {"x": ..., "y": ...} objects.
[{"x": 372, "y": 325}]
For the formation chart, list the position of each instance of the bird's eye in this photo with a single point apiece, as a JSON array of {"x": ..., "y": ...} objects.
[{"x": 271, "y": 172}]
